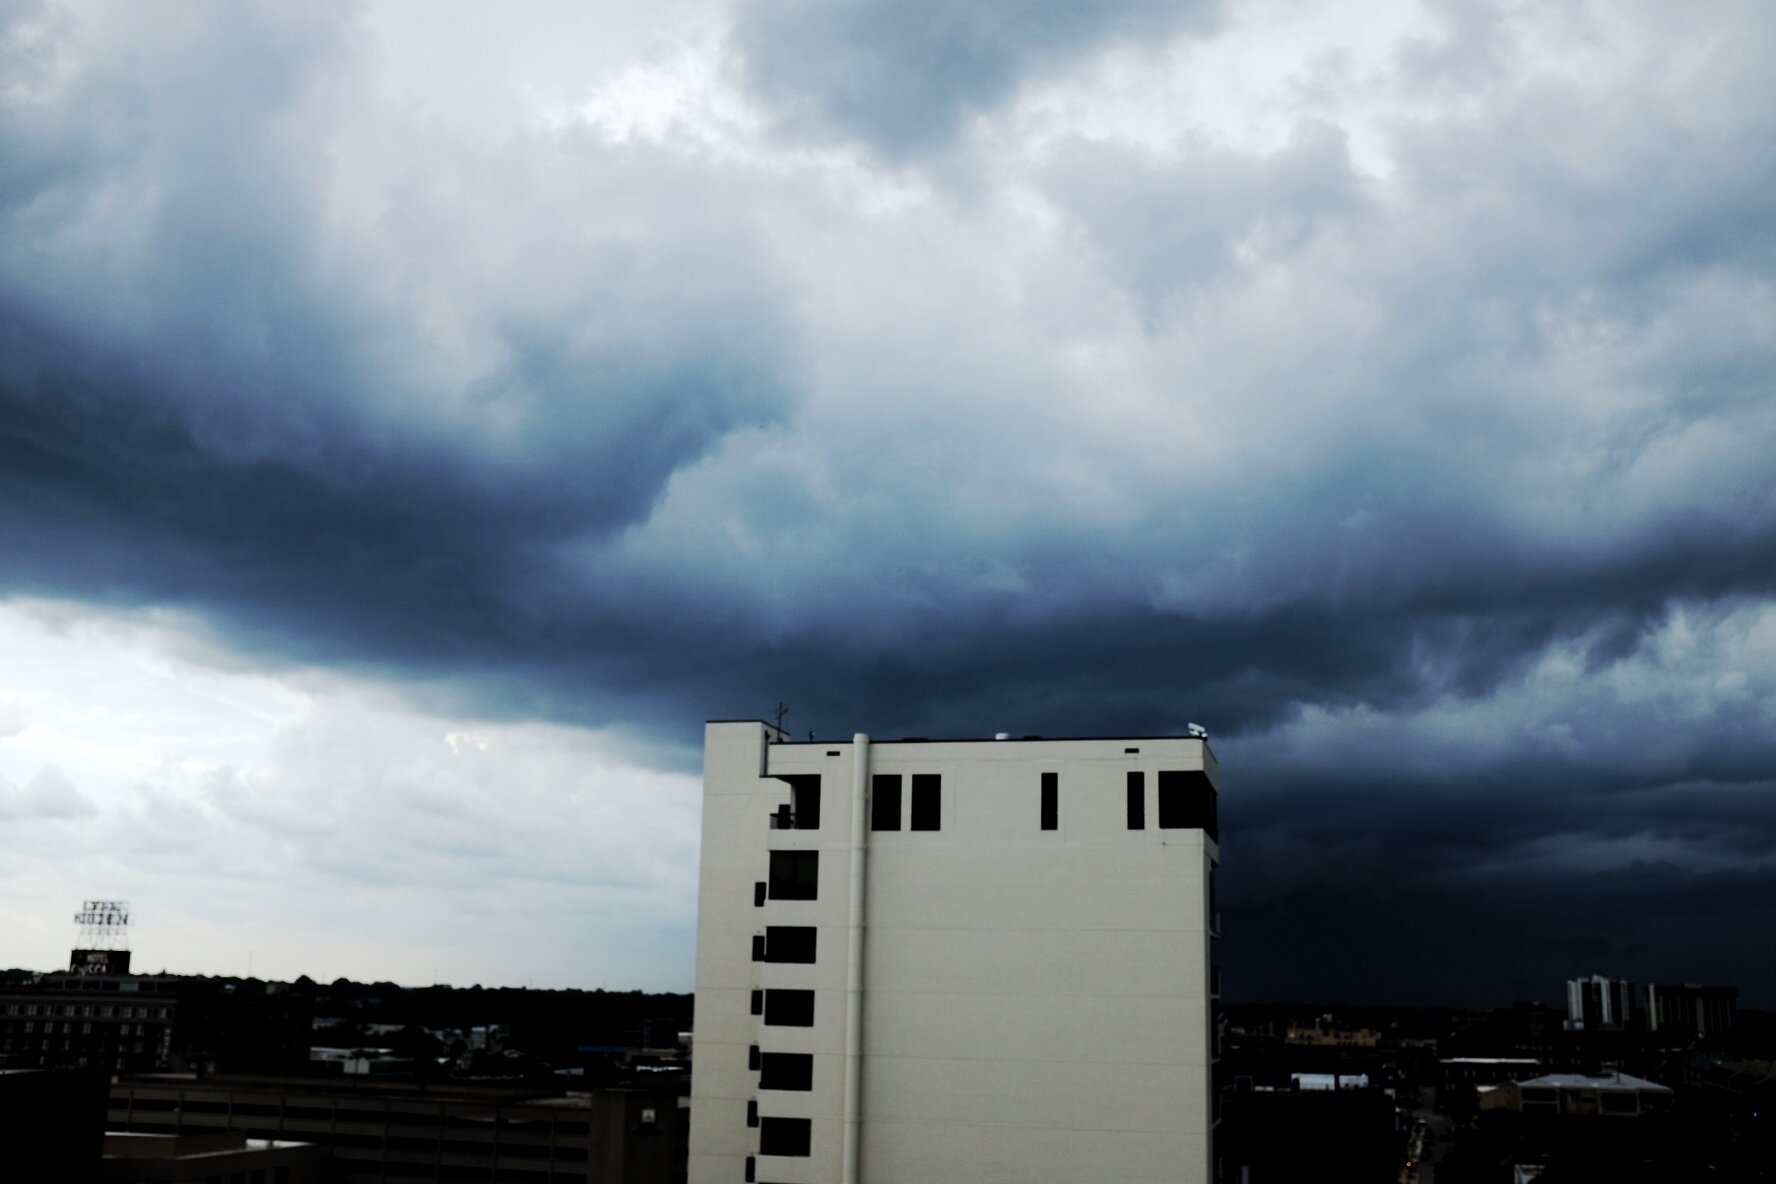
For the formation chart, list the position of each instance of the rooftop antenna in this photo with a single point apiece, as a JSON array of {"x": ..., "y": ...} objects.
[{"x": 781, "y": 712}]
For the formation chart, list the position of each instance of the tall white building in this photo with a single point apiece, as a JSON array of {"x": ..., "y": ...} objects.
[
  {"x": 1691, "y": 1008},
  {"x": 1599, "y": 1004},
  {"x": 929, "y": 962}
]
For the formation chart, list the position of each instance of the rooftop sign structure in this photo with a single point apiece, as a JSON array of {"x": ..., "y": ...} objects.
[{"x": 104, "y": 923}]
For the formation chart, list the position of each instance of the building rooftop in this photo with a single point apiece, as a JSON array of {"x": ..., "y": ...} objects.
[
  {"x": 1614, "y": 1081},
  {"x": 205, "y": 1145},
  {"x": 788, "y": 737},
  {"x": 1491, "y": 1061}
]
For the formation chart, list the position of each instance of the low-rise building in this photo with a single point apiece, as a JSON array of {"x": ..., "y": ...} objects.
[
  {"x": 110, "y": 1019},
  {"x": 374, "y": 1130},
  {"x": 1616, "y": 1095},
  {"x": 202, "y": 1159},
  {"x": 1325, "y": 1035}
]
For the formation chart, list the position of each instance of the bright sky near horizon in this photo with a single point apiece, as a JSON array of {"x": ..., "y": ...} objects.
[{"x": 416, "y": 418}]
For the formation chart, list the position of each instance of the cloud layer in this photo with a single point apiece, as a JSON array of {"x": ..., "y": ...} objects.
[{"x": 1392, "y": 396}]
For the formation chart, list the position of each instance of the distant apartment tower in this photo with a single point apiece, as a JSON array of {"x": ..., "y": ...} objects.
[
  {"x": 1599, "y": 1004},
  {"x": 1691, "y": 1008},
  {"x": 939, "y": 961}
]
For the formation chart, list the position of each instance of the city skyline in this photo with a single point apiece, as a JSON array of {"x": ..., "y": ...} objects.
[{"x": 415, "y": 421}]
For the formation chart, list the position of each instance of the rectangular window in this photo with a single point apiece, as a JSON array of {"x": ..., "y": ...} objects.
[
  {"x": 758, "y": 1003},
  {"x": 1137, "y": 801},
  {"x": 804, "y": 799},
  {"x": 1173, "y": 806},
  {"x": 751, "y": 1170},
  {"x": 789, "y": 1009},
  {"x": 1051, "y": 801},
  {"x": 787, "y": 1070},
  {"x": 758, "y": 894},
  {"x": 1186, "y": 801},
  {"x": 927, "y": 801},
  {"x": 758, "y": 947},
  {"x": 752, "y": 1058},
  {"x": 789, "y": 943},
  {"x": 885, "y": 801},
  {"x": 752, "y": 1114},
  {"x": 795, "y": 875},
  {"x": 785, "y": 1136}
]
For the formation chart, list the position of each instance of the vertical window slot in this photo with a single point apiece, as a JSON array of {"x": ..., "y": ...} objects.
[
  {"x": 927, "y": 811},
  {"x": 885, "y": 801}
]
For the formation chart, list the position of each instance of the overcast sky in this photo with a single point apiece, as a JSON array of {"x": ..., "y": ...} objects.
[{"x": 417, "y": 418}]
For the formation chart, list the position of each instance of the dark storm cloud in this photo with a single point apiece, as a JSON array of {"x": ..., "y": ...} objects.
[
  {"x": 191, "y": 405},
  {"x": 904, "y": 76},
  {"x": 1443, "y": 498}
]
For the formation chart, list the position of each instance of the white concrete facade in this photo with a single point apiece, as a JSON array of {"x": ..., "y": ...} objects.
[{"x": 993, "y": 1002}]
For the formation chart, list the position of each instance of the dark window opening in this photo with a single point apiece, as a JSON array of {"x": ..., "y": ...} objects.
[
  {"x": 758, "y": 894},
  {"x": 752, "y": 1114},
  {"x": 787, "y": 1070},
  {"x": 758, "y": 1003},
  {"x": 752, "y": 1058},
  {"x": 804, "y": 800},
  {"x": 795, "y": 875},
  {"x": 785, "y": 1136},
  {"x": 751, "y": 1170},
  {"x": 885, "y": 801},
  {"x": 789, "y": 943},
  {"x": 789, "y": 1009},
  {"x": 1137, "y": 801},
  {"x": 1051, "y": 801},
  {"x": 1186, "y": 801},
  {"x": 758, "y": 947},
  {"x": 927, "y": 801}
]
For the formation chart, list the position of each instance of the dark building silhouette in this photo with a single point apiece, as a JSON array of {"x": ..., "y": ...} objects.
[
  {"x": 103, "y": 1017},
  {"x": 1691, "y": 1009},
  {"x": 52, "y": 1124},
  {"x": 1307, "y": 1136},
  {"x": 376, "y": 1130}
]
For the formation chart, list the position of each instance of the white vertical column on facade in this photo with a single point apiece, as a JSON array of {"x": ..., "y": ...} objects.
[{"x": 854, "y": 922}]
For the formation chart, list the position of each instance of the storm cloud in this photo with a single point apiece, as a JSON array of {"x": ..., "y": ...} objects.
[
  {"x": 902, "y": 77},
  {"x": 1394, "y": 400}
]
